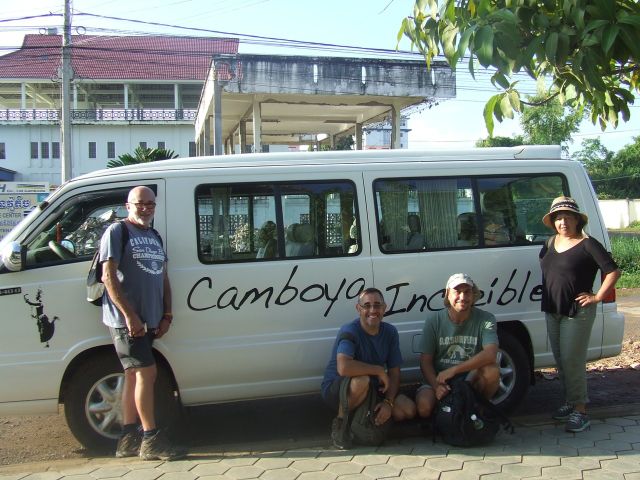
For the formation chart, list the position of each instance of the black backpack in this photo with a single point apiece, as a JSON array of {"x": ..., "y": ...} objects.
[
  {"x": 465, "y": 419},
  {"x": 95, "y": 287}
]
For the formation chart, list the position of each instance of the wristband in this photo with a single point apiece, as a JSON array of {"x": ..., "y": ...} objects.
[
  {"x": 168, "y": 316},
  {"x": 389, "y": 402}
]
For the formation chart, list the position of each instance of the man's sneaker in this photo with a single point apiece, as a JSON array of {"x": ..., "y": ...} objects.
[
  {"x": 577, "y": 422},
  {"x": 129, "y": 445},
  {"x": 157, "y": 447},
  {"x": 339, "y": 435},
  {"x": 562, "y": 414}
]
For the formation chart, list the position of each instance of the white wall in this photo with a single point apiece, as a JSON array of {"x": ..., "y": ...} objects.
[
  {"x": 620, "y": 213},
  {"x": 18, "y": 138}
]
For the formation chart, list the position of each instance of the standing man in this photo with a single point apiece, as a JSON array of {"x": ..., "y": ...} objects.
[
  {"x": 137, "y": 309},
  {"x": 367, "y": 350},
  {"x": 460, "y": 339}
]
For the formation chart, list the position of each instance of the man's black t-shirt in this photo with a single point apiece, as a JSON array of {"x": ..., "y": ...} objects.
[{"x": 566, "y": 274}]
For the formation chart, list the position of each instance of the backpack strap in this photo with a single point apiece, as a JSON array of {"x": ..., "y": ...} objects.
[{"x": 124, "y": 235}]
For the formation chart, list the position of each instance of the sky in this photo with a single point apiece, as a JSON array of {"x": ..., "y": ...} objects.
[{"x": 332, "y": 24}]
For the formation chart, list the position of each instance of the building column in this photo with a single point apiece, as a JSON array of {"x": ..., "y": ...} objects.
[
  {"x": 206, "y": 136},
  {"x": 23, "y": 96},
  {"x": 358, "y": 136},
  {"x": 395, "y": 127},
  {"x": 176, "y": 96},
  {"x": 126, "y": 96},
  {"x": 257, "y": 126},
  {"x": 243, "y": 136}
]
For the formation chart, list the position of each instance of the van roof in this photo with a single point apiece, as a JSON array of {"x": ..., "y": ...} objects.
[{"x": 526, "y": 152}]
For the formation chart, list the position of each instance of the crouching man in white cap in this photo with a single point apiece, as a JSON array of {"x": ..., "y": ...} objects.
[{"x": 460, "y": 339}]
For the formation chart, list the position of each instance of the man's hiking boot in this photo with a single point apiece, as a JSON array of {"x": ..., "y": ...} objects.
[
  {"x": 562, "y": 414},
  {"x": 577, "y": 422},
  {"x": 157, "y": 447},
  {"x": 129, "y": 445},
  {"x": 340, "y": 434}
]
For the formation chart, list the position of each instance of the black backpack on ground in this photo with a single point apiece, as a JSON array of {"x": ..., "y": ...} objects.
[{"x": 465, "y": 419}]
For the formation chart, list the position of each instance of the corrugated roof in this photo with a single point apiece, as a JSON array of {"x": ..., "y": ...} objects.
[{"x": 117, "y": 57}]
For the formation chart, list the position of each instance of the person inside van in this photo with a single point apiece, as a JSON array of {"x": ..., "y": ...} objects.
[
  {"x": 267, "y": 240},
  {"x": 461, "y": 339},
  {"x": 415, "y": 239},
  {"x": 367, "y": 350},
  {"x": 569, "y": 262}
]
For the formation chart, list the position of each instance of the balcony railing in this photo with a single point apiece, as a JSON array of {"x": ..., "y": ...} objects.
[{"x": 100, "y": 115}]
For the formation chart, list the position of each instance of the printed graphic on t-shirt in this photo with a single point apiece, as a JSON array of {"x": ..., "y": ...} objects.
[
  {"x": 457, "y": 349},
  {"x": 148, "y": 254}
]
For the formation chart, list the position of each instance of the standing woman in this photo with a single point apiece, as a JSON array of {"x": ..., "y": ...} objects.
[{"x": 570, "y": 261}]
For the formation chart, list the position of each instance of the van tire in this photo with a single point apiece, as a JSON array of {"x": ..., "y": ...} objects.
[
  {"x": 93, "y": 408},
  {"x": 515, "y": 372}
]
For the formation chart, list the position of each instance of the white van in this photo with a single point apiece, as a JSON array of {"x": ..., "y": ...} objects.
[{"x": 267, "y": 254}]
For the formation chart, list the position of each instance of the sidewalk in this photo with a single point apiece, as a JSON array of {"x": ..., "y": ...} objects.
[{"x": 609, "y": 450}]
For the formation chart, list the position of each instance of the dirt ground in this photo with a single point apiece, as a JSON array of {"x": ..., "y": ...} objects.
[{"x": 26, "y": 439}]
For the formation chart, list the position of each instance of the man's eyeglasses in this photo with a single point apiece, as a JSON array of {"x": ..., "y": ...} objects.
[
  {"x": 147, "y": 205},
  {"x": 372, "y": 306}
]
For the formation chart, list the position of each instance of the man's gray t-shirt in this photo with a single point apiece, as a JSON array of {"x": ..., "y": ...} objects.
[
  {"x": 452, "y": 344},
  {"x": 141, "y": 273}
]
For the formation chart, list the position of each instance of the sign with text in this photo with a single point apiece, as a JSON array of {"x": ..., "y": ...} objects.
[{"x": 17, "y": 199}]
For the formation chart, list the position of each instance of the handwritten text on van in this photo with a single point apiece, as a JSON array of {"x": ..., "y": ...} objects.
[{"x": 202, "y": 295}]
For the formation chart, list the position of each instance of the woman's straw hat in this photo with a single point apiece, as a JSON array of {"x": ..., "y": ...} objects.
[{"x": 563, "y": 204}]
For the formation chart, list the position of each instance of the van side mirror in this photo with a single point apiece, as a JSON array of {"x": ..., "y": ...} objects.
[{"x": 11, "y": 256}]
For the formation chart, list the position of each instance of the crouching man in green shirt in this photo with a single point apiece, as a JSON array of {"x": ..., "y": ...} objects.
[{"x": 460, "y": 339}]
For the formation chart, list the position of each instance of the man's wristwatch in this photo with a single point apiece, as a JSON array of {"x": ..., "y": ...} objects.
[
  {"x": 389, "y": 402},
  {"x": 168, "y": 316}
]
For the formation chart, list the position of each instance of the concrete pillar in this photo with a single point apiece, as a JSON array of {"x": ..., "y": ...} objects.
[
  {"x": 243, "y": 136},
  {"x": 358, "y": 136},
  {"x": 332, "y": 140},
  {"x": 395, "y": 127},
  {"x": 23, "y": 96},
  {"x": 217, "y": 113},
  {"x": 257, "y": 126},
  {"x": 75, "y": 96},
  {"x": 206, "y": 136},
  {"x": 126, "y": 96},
  {"x": 176, "y": 96}
]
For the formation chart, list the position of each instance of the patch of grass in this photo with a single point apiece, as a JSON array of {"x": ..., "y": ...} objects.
[{"x": 626, "y": 252}]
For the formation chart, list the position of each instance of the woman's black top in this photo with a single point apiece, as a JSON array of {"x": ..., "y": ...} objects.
[{"x": 566, "y": 274}]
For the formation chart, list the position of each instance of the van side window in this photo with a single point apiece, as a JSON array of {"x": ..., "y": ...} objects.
[
  {"x": 260, "y": 222},
  {"x": 419, "y": 214},
  {"x": 74, "y": 230}
]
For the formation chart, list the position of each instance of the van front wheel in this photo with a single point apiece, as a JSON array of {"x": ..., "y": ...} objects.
[
  {"x": 514, "y": 372},
  {"x": 93, "y": 406}
]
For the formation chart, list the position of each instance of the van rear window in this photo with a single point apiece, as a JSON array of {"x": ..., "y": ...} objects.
[
  {"x": 263, "y": 222},
  {"x": 423, "y": 214}
]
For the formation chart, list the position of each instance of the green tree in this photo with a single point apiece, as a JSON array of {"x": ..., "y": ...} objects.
[
  {"x": 614, "y": 175},
  {"x": 543, "y": 124},
  {"x": 500, "y": 141},
  {"x": 142, "y": 155},
  {"x": 549, "y": 123},
  {"x": 588, "y": 49}
]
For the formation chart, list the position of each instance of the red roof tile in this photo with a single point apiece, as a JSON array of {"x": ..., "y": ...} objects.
[{"x": 117, "y": 58}]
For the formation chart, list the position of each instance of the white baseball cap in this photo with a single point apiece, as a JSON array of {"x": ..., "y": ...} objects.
[{"x": 458, "y": 279}]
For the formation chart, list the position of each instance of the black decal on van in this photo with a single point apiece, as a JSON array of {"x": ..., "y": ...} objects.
[
  {"x": 349, "y": 295},
  {"x": 288, "y": 287},
  {"x": 508, "y": 290},
  {"x": 46, "y": 328},
  {"x": 396, "y": 287},
  {"x": 193, "y": 289}
]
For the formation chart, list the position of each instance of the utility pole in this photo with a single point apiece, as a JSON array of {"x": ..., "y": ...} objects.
[{"x": 67, "y": 73}]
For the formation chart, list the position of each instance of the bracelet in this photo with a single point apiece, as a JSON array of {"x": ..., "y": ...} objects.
[
  {"x": 168, "y": 317},
  {"x": 389, "y": 402}
]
